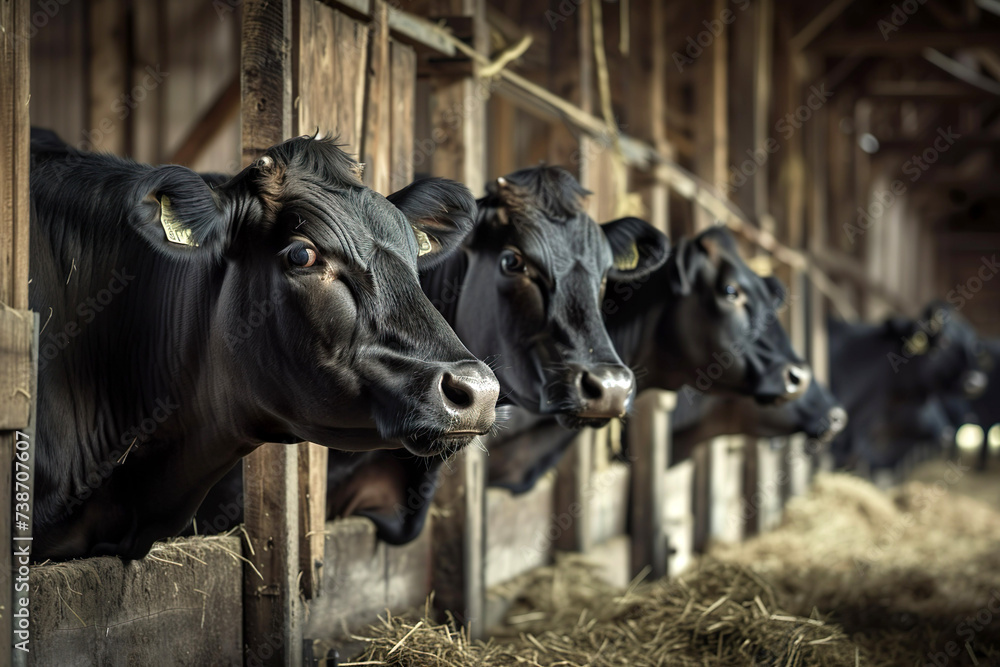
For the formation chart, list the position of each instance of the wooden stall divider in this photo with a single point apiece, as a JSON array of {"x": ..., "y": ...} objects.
[
  {"x": 272, "y": 631},
  {"x": 649, "y": 454},
  {"x": 18, "y": 337}
]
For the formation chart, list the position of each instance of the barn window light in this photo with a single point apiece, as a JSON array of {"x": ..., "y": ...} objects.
[
  {"x": 993, "y": 437},
  {"x": 969, "y": 437},
  {"x": 868, "y": 143}
]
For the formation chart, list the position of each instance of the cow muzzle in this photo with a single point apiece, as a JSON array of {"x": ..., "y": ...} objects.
[
  {"x": 604, "y": 391},
  {"x": 974, "y": 383},
  {"x": 796, "y": 380},
  {"x": 836, "y": 421},
  {"x": 469, "y": 392}
]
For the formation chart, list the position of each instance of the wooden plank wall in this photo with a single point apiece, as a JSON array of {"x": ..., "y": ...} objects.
[{"x": 17, "y": 333}]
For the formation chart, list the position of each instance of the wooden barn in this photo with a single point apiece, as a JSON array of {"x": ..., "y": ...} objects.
[{"x": 851, "y": 148}]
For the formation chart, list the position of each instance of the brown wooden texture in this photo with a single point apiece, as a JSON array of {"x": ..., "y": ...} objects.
[
  {"x": 363, "y": 577},
  {"x": 402, "y": 118},
  {"x": 330, "y": 66},
  {"x": 271, "y": 615},
  {"x": 179, "y": 605},
  {"x": 16, "y": 368},
  {"x": 14, "y": 229},
  {"x": 333, "y": 51}
]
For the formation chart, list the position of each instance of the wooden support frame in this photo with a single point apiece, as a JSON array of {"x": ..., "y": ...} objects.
[
  {"x": 272, "y": 631},
  {"x": 19, "y": 330},
  {"x": 649, "y": 451}
]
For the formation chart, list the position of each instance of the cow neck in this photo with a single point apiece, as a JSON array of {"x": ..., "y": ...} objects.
[
  {"x": 860, "y": 375},
  {"x": 636, "y": 327},
  {"x": 443, "y": 284}
]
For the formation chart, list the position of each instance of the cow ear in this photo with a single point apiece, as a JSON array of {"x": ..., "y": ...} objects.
[
  {"x": 179, "y": 214},
  {"x": 638, "y": 248},
  {"x": 683, "y": 265},
  {"x": 441, "y": 213}
]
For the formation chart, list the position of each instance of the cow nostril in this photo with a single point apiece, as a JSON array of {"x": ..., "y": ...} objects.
[
  {"x": 797, "y": 379},
  {"x": 591, "y": 387},
  {"x": 455, "y": 391}
]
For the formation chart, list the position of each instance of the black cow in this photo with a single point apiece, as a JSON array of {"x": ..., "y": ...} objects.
[
  {"x": 186, "y": 325},
  {"x": 702, "y": 318},
  {"x": 876, "y": 367},
  {"x": 699, "y": 417},
  {"x": 908, "y": 424},
  {"x": 525, "y": 293}
]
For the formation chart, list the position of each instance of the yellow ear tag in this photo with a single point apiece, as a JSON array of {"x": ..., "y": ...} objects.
[
  {"x": 761, "y": 265},
  {"x": 175, "y": 229},
  {"x": 917, "y": 344},
  {"x": 423, "y": 242},
  {"x": 629, "y": 259}
]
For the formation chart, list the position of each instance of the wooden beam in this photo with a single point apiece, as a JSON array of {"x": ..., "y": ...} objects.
[
  {"x": 962, "y": 72},
  {"x": 272, "y": 625},
  {"x": 902, "y": 43},
  {"x": 819, "y": 23},
  {"x": 950, "y": 90},
  {"x": 224, "y": 109},
  {"x": 14, "y": 229}
]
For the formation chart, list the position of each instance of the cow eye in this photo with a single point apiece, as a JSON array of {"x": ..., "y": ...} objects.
[
  {"x": 301, "y": 255},
  {"x": 512, "y": 262},
  {"x": 732, "y": 291}
]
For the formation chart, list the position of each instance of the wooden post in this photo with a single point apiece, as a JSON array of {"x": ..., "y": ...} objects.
[
  {"x": 649, "y": 451},
  {"x": 329, "y": 84},
  {"x": 573, "y": 481},
  {"x": 272, "y": 631},
  {"x": 15, "y": 360},
  {"x": 712, "y": 129},
  {"x": 458, "y": 119},
  {"x": 377, "y": 133},
  {"x": 460, "y": 573}
]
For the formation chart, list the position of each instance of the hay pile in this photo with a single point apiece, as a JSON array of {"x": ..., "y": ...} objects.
[
  {"x": 852, "y": 577},
  {"x": 904, "y": 573},
  {"x": 722, "y": 614}
]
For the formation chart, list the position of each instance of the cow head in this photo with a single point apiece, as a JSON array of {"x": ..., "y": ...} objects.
[
  {"x": 320, "y": 322},
  {"x": 939, "y": 353},
  {"x": 816, "y": 413},
  {"x": 537, "y": 265},
  {"x": 719, "y": 330}
]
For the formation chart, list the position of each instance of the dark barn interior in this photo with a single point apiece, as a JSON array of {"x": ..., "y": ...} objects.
[{"x": 848, "y": 149}]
